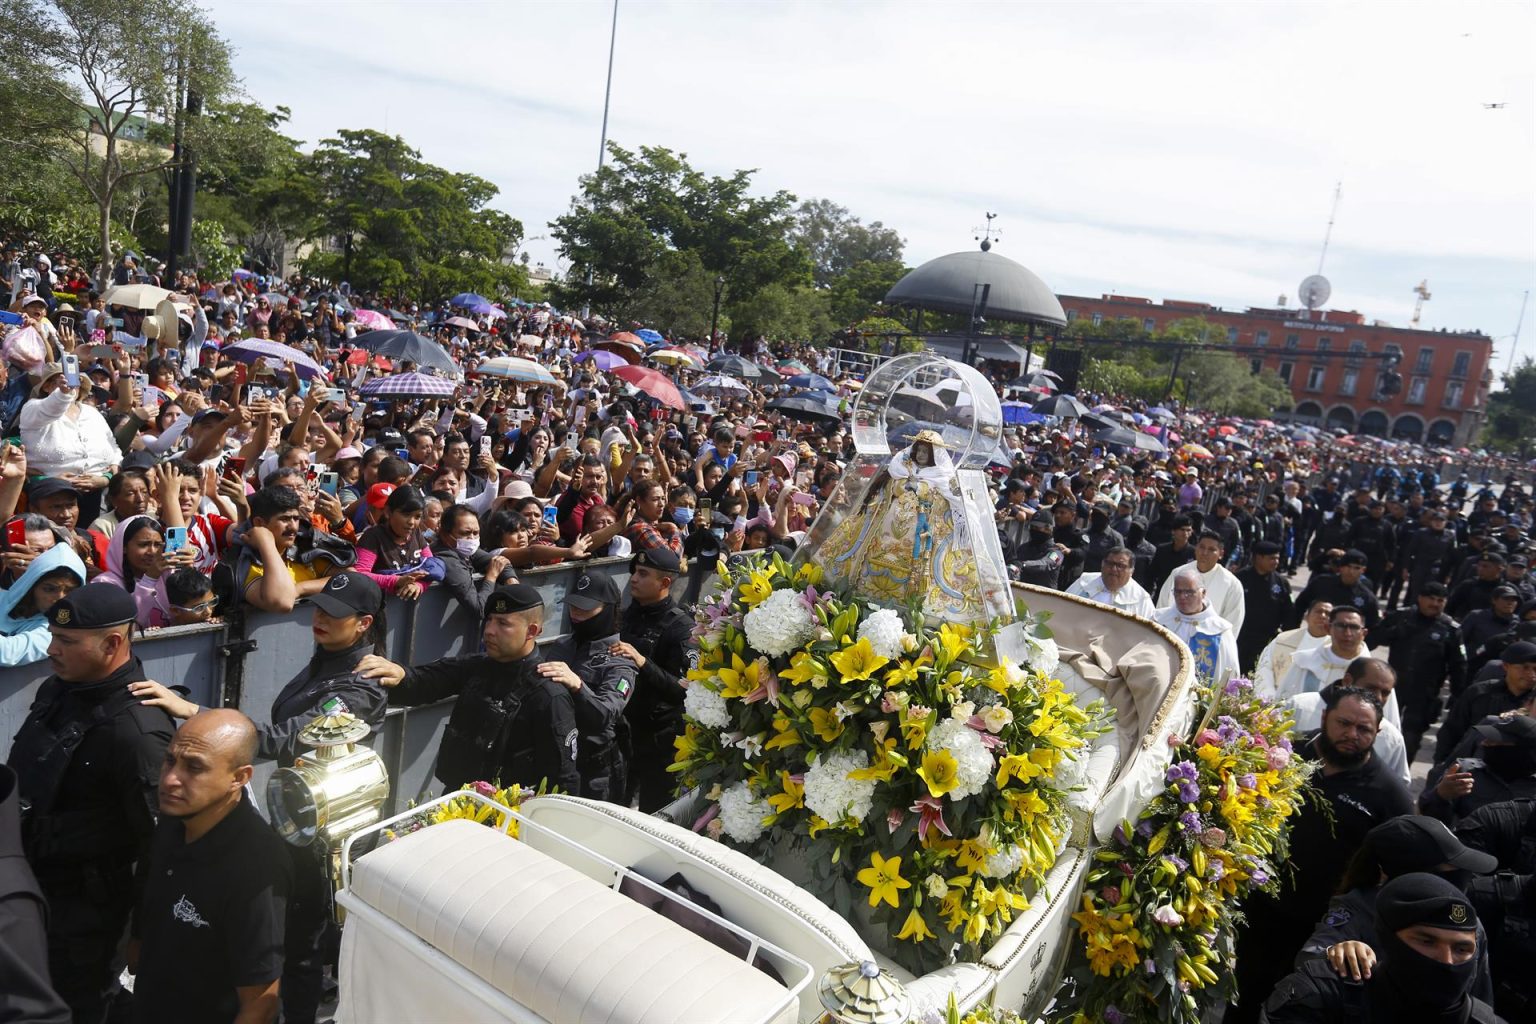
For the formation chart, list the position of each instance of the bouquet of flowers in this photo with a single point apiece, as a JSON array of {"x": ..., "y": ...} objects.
[
  {"x": 925, "y": 781},
  {"x": 511, "y": 797},
  {"x": 1160, "y": 905}
]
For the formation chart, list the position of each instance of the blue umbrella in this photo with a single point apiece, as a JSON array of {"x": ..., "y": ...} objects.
[
  {"x": 602, "y": 359},
  {"x": 648, "y": 335},
  {"x": 468, "y": 299},
  {"x": 814, "y": 381},
  {"x": 410, "y": 347},
  {"x": 1158, "y": 412},
  {"x": 1020, "y": 413}
]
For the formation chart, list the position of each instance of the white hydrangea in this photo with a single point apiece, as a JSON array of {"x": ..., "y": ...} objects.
[
  {"x": 884, "y": 631},
  {"x": 969, "y": 752},
  {"x": 741, "y": 814},
  {"x": 780, "y": 624},
  {"x": 1005, "y": 862},
  {"x": 1043, "y": 654},
  {"x": 831, "y": 794},
  {"x": 706, "y": 707}
]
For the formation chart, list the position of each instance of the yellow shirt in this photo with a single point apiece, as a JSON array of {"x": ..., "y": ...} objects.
[{"x": 302, "y": 572}]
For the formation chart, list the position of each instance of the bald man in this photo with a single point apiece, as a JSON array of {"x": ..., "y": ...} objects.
[{"x": 210, "y": 926}]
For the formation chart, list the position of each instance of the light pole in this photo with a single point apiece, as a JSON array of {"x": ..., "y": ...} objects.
[{"x": 714, "y": 318}]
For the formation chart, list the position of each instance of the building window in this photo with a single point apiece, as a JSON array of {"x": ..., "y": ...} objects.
[
  {"x": 1071, "y": 315},
  {"x": 1261, "y": 338},
  {"x": 1149, "y": 325},
  {"x": 1357, "y": 347},
  {"x": 1231, "y": 334},
  {"x": 1452, "y": 394},
  {"x": 1293, "y": 341},
  {"x": 1426, "y": 357},
  {"x": 1315, "y": 377},
  {"x": 1462, "y": 364},
  {"x": 1256, "y": 366},
  {"x": 1393, "y": 350},
  {"x": 1349, "y": 382},
  {"x": 1324, "y": 344},
  {"x": 1098, "y": 318},
  {"x": 1285, "y": 371},
  {"x": 1416, "y": 389}
]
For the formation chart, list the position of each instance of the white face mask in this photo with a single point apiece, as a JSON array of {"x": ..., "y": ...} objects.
[{"x": 467, "y": 546}]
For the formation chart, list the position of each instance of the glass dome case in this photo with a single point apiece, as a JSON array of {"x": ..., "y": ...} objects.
[{"x": 912, "y": 518}]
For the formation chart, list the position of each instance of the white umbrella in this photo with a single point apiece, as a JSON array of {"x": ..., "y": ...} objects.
[
  {"x": 530, "y": 341},
  {"x": 722, "y": 383},
  {"x": 513, "y": 368},
  {"x": 135, "y": 296}
]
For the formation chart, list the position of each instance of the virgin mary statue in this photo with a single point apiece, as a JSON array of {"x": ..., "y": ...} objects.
[{"x": 909, "y": 537}]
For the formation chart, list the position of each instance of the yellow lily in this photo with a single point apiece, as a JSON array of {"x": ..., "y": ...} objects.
[
  {"x": 793, "y": 794},
  {"x": 826, "y": 723},
  {"x": 940, "y": 771},
  {"x": 739, "y": 679},
  {"x": 954, "y": 640},
  {"x": 758, "y": 586},
  {"x": 804, "y": 668},
  {"x": 883, "y": 877},
  {"x": 916, "y": 929},
  {"x": 858, "y": 661}
]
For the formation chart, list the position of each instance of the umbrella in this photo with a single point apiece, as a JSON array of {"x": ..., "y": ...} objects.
[
  {"x": 135, "y": 296},
  {"x": 809, "y": 405},
  {"x": 723, "y": 384},
  {"x": 630, "y": 350},
  {"x": 653, "y": 383},
  {"x": 372, "y": 319},
  {"x": 530, "y": 341},
  {"x": 240, "y": 273},
  {"x": 1122, "y": 436},
  {"x": 1196, "y": 451},
  {"x": 409, "y": 347},
  {"x": 408, "y": 385},
  {"x": 627, "y": 338},
  {"x": 1063, "y": 406},
  {"x": 468, "y": 300},
  {"x": 465, "y": 322},
  {"x": 652, "y": 337},
  {"x": 736, "y": 366},
  {"x": 601, "y": 359},
  {"x": 793, "y": 366},
  {"x": 674, "y": 357},
  {"x": 1157, "y": 412},
  {"x": 252, "y": 349},
  {"x": 513, "y": 368},
  {"x": 1019, "y": 413},
  {"x": 814, "y": 381},
  {"x": 1147, "y": 443},
  {"x": 399, "y": 317},
  {"x": 695, "y": 403}
]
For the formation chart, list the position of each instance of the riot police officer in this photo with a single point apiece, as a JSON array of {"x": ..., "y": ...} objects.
[
  {"x": 1425, "y": 652},
  {"x": 513, "y": 722},
  {"x": 601, "y": 683},
  {"x": 1039, "y": 559},
  {"x": 655, "y": 635},
  {"x": 87, "y": 761}
]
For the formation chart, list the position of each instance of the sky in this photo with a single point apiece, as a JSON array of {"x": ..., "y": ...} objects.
[{"x": 1185, "y": 151}]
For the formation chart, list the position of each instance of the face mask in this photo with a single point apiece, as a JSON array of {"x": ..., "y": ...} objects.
[
  {"x": 595, "y": 628},
  {"x": 1509, "y": 762},
  {"x": 682, "y": 516},
  {"x": 1435, "y": 991},
  {"x": 467, "y": 546}
]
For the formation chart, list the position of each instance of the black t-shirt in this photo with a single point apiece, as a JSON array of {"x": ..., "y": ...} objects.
[{"x": 211, "y": 920}]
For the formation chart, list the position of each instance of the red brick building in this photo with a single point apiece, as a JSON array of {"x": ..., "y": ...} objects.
[{"x": 1445, "y": 375}]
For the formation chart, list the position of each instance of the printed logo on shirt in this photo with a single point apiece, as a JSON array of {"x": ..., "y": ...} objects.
[
  {"x": 570, "y": 741},
  {"x": 186, "y": 913},
  {"x": 1359, "y": 601},
  {"x": 336, "y": 706},
  {"x": 1338, "y": 916}
]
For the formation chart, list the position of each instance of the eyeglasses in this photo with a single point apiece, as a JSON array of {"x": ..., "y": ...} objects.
[
  {"x": 1347, "y": 627},
  {"x": 1178, "y": 592},
  {"x": 201, "y": 606}
]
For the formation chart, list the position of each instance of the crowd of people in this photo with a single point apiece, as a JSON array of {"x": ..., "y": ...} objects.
[{"x": 150, "y": 483}]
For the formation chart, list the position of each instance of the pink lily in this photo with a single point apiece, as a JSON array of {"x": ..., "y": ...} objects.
[
  {"x": 810, "y": 598},
  {"x": 932, "y": 810},
  {"x": 767, "y": 687},
  {"x": 710, "y": 813},
  {"x": 988, "y": 740},
  {"x": 893, "y": 819}
]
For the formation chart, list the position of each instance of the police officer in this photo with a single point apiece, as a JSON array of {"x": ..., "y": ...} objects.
[
  {"x": 1490, "y": 697},
  {"x": 1506, "y": 906},
  {"x": 1477, "y": 592},
  {"x": 1426, "y": 553},
  {"x": 655, "y": 635},
  {"x": 1505, "y": 771},
  {"x": 1346, "y": 586},
  {"x": 1427, "y": 929},
  {"x": 1039, "y": 559},
  {"x": 513, "y": 722},
  {"x": 1266, "y": 603},
  {"x": 87, "y": 761},
  {"x": 23, "y": 936},
  {"x": 1506, "y": 830},
  {"x": 601, "y": 683},
  {"x": 1425, "y": 652}
]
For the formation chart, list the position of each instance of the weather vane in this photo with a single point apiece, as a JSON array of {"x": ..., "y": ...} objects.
[{"x": 988, "y": 234}]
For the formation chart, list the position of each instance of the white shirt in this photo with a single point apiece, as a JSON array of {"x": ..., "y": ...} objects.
[
  {"x": 1275, "y": 659},
  {"x": 1129, "y": 598},
  {"x": 1315, "y": 668},
  {"x": 1222, "y": 592},
  {"x": 58, "y": 443},
  {"x": 1211, "y": 639},
  {"x": 1389, "y": 738}
]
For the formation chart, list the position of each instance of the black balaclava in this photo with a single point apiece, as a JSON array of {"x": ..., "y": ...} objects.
[
  {"x": 595, "y": 628},
  {"x": 1408, "y": 985},
  {"x": 1510, "y": 761}
]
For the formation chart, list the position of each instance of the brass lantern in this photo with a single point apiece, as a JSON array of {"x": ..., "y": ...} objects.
[{"x": 862, "y": 993}]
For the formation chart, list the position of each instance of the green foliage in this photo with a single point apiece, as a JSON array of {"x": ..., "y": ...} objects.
[
  {"x": 778, "y": 311},
  {"x": 857, "y": 291},
  {"x": 1511, "y": 423},
  {"x": 408, "y": 226},
  {"x": 1114, "y": 377},
  {"x": 211, "y": 251},
  {"x": 1224, "y": 383},
  {"x": 251, "y": 179},
  {"x": 836, "y": 242},
  {"x": 643, "y": 206}
]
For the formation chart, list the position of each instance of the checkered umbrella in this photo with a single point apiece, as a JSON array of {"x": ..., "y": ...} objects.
[{"x": 408, "y": 385}]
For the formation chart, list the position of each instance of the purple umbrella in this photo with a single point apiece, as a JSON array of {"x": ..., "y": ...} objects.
[
  {"x": 252, "y": 349},
  {"x": 408, "y": 385},
  {"x": 602, "y": 359}
]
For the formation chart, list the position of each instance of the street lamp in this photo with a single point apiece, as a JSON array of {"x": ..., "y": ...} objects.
[
  {"x": 714, "y": 318},
  {"x": 1189, "y": 390}
]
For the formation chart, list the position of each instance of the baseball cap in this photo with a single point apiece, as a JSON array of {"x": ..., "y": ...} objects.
[
  {"x": 1354, "y": 556},
  {"x": 379, "y": 494},
  {"x": 1413, "y": 842},
  {"x": 1491, "y": 556},
  {"x": 1509, "y": 593},
  {"x": 1520, "y": 652},
  {"x": 1515, "y": 728},
  {"x": 515, "y": 597},
  {"x": 347, "y": 594},
  {"x": 660, "y": 558},
  {"x": 98, "y": 606},
  {"x": 592, "y": 590},
  {"x": 1420, "y": 898},
  {"x": 48, "y": 486}
]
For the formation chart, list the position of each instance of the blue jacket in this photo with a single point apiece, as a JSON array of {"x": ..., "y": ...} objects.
[{"x": 23, "y": 641}]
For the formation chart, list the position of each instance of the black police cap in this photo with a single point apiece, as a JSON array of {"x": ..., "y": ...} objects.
[
  {"x": 1266, "y": 547},
  {"x": 1420, "y": 898},
  {"x": 516, "y": 597},
  {"x": 98, "y": 606},
  {"x": 592, "y": 590},
  {"x": 660, "y": 558},
  {"x": 349, "y": 593}
]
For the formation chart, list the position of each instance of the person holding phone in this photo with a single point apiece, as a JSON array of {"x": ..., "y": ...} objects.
[
  {"x": 137, "y": 561},
  {"x": 394, "y": 553},
  {"x": 69, "y": 438},
  {"x": 50, "y": 574}
]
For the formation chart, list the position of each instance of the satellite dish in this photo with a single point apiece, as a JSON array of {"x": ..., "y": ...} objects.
[{"x": 1314, "y": 291}]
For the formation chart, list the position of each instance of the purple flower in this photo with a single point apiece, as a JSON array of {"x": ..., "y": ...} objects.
[
  {"x": 1215, "y": 870},
  {"x": 1119, "y": 835},
  {"x": 1144, "y": 829},
  {"x": 1112, "y": 1015},
  {"x": 1190, "y": 821},
  {"x": 1150, "y": 965},
  {"x": 1229, "y": 730},
  {"x": 1183, "y": 771},
  {"x": 1260, "y": 876},
  {"x": 1237, "y": 685},
  {"x": 1188, "y": 792},
  {"x": 1247, "y": 781},
  {"x": 1179, "y": 863}
]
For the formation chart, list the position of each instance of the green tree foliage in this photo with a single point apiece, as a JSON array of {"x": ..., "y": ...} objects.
[
  {"x": 643, "y": 206},
  {"x": 836, "y": 241},
  {"x": 404, "y": 225},
  {"x": 1115, "y": 377},
  {"x": 1511, "y": 423},
  {"x": 250, "y": 179},
  {"x": 211, "y": 251},
  {"x": 1224, "y": 383},
  {"x": 117, "y": 70}
]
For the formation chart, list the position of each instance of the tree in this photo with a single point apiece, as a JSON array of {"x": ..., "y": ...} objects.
[
  {"x": 1224, "y": 383},
  {"x": 136, "y": 65},
  {"x": 250, "y": 180},
  {"x": 836, "y": 241},
  {"x": 1511, "y": 423},
  {"x": 858, "y": 291},
  {"x": 405, "y": 225}
]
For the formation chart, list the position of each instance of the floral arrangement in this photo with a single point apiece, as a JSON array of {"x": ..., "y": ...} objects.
[
  {"x": 1160, "y": 905},
  {"x": 982, "y": 1014},
  {"x": 511, "y": 797},
  {"x": 924, "y": 781}
]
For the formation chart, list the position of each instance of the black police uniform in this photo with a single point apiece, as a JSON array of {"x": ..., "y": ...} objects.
[
  {"x": 607, "y": 683},
  {"x": 1427, "y": 556},
  {"x": 1506, "y": 907},
  {"x": 1360, "y": 595},
  {"x": 1470, "y": 595},
  {"x": 1266, "y": 610},
  {"x": 23, "y": 935},
  {"x": 1479, "y": 701},
  {"x": 211, "y": 919},
  {"x": 1038, "y": 561},
  {"x": 1506, "y": 830},
  {"x": 662, "y": 634},
  {"x": 1314, "y": 994},
  {"x": 1167, "y": 561},
  {"x": 1425, "y": 652},
  {"x": 87, "y": 761},
  {"x": 1483, "y": 625},
  {"x": 1489, "y": 786}
]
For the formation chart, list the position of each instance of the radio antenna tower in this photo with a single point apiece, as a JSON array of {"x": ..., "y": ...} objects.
[{"x": 1338, "y": 190}]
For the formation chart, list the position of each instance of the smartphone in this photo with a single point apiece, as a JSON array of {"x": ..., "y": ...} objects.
[
  {"x": 551, "y": 515},
  {"x": 67, "y": 321},
  {"x": 403, "y": 454},
  {"x": 706, "y": 511},
  {"x": 234, "y": 467},
  {"x": 175, "y": 539},
  {"x": 750, "y": 478},
  {"x": 16, "y": 533},
  {"x": 801, "y": 498},
  {"x": 782, "y": 435},
  {"x": 141, "y": 381},
  {"x": 14, "y": 319},
  {"x": 113, "y": 321},
  {"x": 334, "y": 394},
  {"x": 329, "y": 483},
  {"x": 485, "y": 444},
  {"x": 71, "y": 366}
]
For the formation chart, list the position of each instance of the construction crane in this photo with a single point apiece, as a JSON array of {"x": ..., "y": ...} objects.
[{"x": 1422, "y": 291}]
